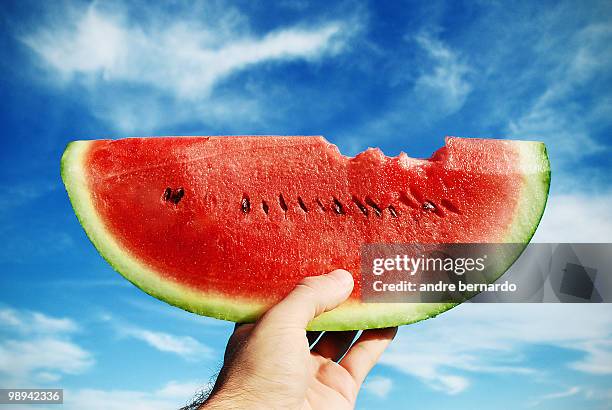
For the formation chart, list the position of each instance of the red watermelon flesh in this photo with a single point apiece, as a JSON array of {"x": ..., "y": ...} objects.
[{"x": 226, "y": 226}]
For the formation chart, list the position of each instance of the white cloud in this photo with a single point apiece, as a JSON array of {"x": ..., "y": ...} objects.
[
  {"x": 34, "y": 322},
  {"x": 169, "y": 67},
  {"x": 184, "y": 346},
  {"x": 569, "y": 392},
  {"x": 21, "y": 357},
  {"x": 576, "y": 218},
  {"x": 558, "y": 395},
  {"x": 425, "y": 89},
  {"x": 378, "y": 386},
  {"x": 36, "y": 349},
  {"x": 47, "y": 377},
  {"x": 45, "y": 323},
  {"x": 94, "y": 399},
  {"x": 183, "y": 60},
  {"x": 171, "y": 396},
  {"x": 598, "y": 359},
  {"x": 40, "y": 360},
  {"x": 446, "y": 82},
  {"x": 560, "y": 115},
  {"x": 491, "y": 338},
  {"x": 597, "y": 394},
  {"x": 9, "y": 317}
]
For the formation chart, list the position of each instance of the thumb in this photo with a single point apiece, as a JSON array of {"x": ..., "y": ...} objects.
[{"x": 311, "y": 297}]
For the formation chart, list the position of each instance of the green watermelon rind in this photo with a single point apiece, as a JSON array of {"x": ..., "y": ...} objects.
[
  {"x": 534, "y": 197},
  {"x": 348, "y": 316}
]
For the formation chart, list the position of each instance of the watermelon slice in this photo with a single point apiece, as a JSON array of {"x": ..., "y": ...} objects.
[{"x": 226, "y": 226}]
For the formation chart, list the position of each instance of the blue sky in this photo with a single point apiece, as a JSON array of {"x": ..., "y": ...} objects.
[{"x": 397, "y": 75}]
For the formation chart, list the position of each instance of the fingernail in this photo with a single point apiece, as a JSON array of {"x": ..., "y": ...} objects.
[{"x": 343, "y": 277}]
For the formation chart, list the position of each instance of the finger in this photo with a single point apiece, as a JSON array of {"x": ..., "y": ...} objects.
[
  {"x": 312, "y": 337},
  {"x": 311, "y": 297},
  {"x": 364, "y": 353},
  {"x": 333, "y": 345}
]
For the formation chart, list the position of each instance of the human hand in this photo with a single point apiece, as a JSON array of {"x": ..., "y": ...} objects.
[{"x": 270, "y": 364}]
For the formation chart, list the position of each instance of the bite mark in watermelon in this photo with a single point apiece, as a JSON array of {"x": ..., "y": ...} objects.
[{"x": 226, "y": 226}]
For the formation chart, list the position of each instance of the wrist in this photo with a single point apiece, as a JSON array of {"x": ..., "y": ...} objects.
[
  {"x": 216, "y": 403},
  {"x": 220, "y": 401}
]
